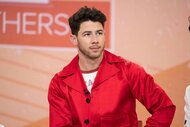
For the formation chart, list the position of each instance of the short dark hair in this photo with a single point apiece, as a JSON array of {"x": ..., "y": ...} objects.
[{"x": 85, "y": 14}]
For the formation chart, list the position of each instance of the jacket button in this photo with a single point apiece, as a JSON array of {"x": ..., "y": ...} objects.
[
  {"x": 87, "y": 100},
  {"x": 86, "y": 121}
]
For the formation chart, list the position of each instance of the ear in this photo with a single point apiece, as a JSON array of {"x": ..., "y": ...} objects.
[{"x": 73, "y": 39}]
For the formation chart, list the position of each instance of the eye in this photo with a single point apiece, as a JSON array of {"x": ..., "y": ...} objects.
[
  {"x": 100, "y": 33},
  {"x": 86, "y": 34}
]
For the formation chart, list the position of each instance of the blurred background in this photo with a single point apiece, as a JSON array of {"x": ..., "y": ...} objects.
[{"x": 151, "y": 33}]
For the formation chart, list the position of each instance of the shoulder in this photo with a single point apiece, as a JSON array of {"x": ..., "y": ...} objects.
[
  {"x": 130, "y": 68},
  {"x": 112, "y": 58},
  {"x": 115, "y": 59},
  {"x": 69, "y": 68}
]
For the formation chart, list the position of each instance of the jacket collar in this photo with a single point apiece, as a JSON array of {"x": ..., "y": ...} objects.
[
  {"x": 73, "y": 65},
  {"x": 71, "y": 73}
]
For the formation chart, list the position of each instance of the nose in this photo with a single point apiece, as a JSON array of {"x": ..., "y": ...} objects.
[{"x": 94, "y": 39}]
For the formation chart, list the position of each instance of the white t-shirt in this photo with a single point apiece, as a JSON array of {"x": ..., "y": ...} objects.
[
  {"x": 187, "y": 106},
  {"x": 89, "y": 79}
]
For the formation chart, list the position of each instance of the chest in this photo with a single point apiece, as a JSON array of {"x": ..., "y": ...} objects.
[{"x": 110, "y": 95}]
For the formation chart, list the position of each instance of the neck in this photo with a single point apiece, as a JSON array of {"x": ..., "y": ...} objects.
[{"x": 89, "y": 64}]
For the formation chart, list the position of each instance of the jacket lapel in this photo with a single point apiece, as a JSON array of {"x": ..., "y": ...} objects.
[
  {"x": 72, "y": 76},
  {"x": 76, "y": 82},
  {"x": 108, "y": 68},
  {"x": 106, "y": 71}
]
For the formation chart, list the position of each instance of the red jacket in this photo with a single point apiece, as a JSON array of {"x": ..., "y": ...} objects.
[{"x": 112, "y": 100}]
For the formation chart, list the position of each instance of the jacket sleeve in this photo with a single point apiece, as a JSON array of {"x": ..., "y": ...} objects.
[
  {"x": 152, "y": 97},
  {"x": 59, "y": 111}
]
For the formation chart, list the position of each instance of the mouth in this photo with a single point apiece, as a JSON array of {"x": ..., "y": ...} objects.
[{"x": 95, "y": 48}]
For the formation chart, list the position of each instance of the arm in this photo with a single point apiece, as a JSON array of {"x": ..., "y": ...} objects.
[
  {"x": 152, "y": 97},
  {"x": 187, "y": 106},
  {"x": 60, "y": 115}
]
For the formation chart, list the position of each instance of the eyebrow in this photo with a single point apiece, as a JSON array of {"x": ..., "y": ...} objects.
[
  {"x": 99, "y": 30},
  {"x": 91, "y": 31}
]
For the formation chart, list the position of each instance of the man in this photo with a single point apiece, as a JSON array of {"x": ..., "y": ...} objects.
[{"x": 98, "y": 88}]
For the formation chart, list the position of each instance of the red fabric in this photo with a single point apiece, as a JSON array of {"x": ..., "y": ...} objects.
[{"x": 112, "y": 100}]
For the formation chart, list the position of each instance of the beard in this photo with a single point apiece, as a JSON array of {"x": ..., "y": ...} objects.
[{"x": 87, "y": 52}]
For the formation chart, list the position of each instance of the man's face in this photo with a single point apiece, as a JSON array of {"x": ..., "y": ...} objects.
[{"x": 90, "y": 39}]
